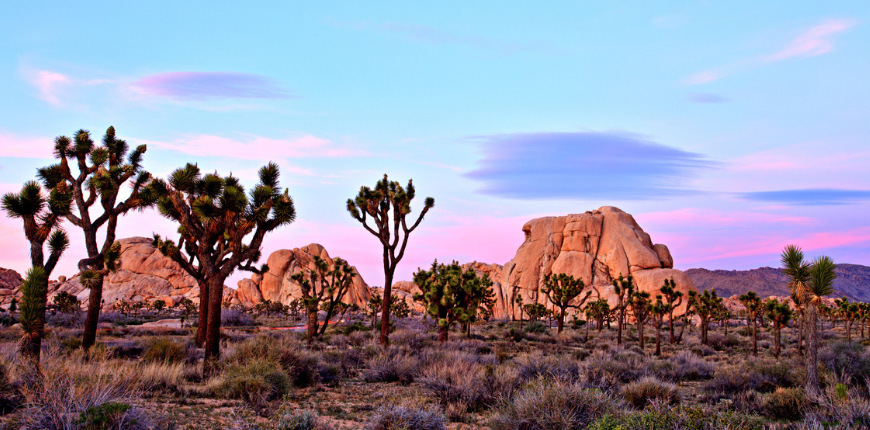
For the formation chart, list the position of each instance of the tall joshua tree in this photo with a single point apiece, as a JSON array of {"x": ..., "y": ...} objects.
[
  {"x": 388, "y": 205},
  {"x": 658, "y": 311},
  {"x": 753, "y": 306},
  {"x": 450, "y": 294},
  {"x": 101, "y": 173},
  {"x": 562, "y": 290},
  {"x": 706, "y": 305},
  {"x": 215, "y": 216},
  {"x": 779, "y": 314},
  {"x": 640, "y": 310},
  {"x": 673, "y": 298},
  {"x": 41, "y": 216},
  {"x": 624, "y": 288}
]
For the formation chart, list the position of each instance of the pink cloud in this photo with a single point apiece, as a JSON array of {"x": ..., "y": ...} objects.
[
  {"x": 208, "y": 85},
  {"x": 813, "y": 42},
  {"x": 25, "y": 147},
  {"x": 257, "y": 147},
  {"x": 704, "y": 77},
  {"x": 48, "y": 83}
]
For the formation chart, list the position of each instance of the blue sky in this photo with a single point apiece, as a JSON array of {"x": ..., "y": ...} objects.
[{"x": 729, "y": 129}]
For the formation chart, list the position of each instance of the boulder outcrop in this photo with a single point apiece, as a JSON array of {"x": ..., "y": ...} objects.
[
  {"x": 10, "y": 281},
  {"x": 596, "y": 246},
  {"x": 276, "y": 284}
]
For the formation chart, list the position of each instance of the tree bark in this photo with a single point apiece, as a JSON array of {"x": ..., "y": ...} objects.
[
  {"x": 640, "y": 335},
  {"x": 754, "y": 338},
  {"x": 89, "y": 337},
  {"x": 385, "y": 307},
  {"x": 202, "y": 325},
  {"x": 312, "y": 324},
  {"x": 561, "y": 322},
  {"x": 812, "y": 350},
  {"x": 213, "y": 330}
]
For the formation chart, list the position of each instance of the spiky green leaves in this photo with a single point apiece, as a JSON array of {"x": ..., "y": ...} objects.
[
  {"x": 185, "y": 179},
  {"x": 562, "y": 289},
  {"x": 58, "y": 242},
  {"x": 32, "y": 309},
  {"x": 269, "y": 175},
  {"x": 83, "y": 143},
  {"x": 28, "y": 202},
  {"x": 821, "y": 277}
]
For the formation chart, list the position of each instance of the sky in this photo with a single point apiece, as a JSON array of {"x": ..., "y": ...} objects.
[{"x": 728, "y": 129}]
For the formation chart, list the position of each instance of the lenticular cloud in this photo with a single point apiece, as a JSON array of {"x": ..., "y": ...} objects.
[{"x": 209, "y": 85}]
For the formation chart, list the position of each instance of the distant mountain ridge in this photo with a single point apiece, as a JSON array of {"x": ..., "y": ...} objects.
[{"x": 853, "y": 281}]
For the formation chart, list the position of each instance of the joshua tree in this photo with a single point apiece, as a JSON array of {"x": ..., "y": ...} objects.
[
  {"x": 323, "y": 285},
  {"x": 753, "y": 306},
  {"x": 706, "y": 305},
  {"x": 561, "y": 290},
  {"x": 518, "y": 300},
  {"x": 809, "y": 283},
  {"x": 658, "y": 311},
  {"x": 674, "y": 299},
  {"x": 598, "y": 310},
  {"x": 388, "y": 205},
  {"x": 536, "y": 311},
  {"x": 640, "y": 310},
  {"x": 779, "y": 314},
  {"x": 102, "y": 173},
  {"x": 215, "y": 216},
  {"x": 624, "y": 288},
  {"x": 41, "y": 216},
  {"x": 451, "y": 295},
  {"x": 801, "y": 321},
  {"x": 849, "y": 312},
  {"x": 687, "y": 315}
]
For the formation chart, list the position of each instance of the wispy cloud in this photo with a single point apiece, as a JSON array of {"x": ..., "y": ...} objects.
[
  {"x": 199, "y": 86},
  {"x": 815, "y": 41},
  {"x": 12, "y": 145},
  {"x": 251, "y": 147},
  {"x": 584, "y": 165},
  {"x": 708, "y": 98},
  {"x": 810, "y": 43},
  {"x": 810, "y": 197},
  {"x": 49, "y": 84},
  {"x": 433, "y": 35}
]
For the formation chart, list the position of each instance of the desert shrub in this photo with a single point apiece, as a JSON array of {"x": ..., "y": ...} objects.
[
  {"x": 69, "y": 388},
  {"x": 785, "y": 404},
  {"x": 688, "y": 366},
  {"x": 648, "y": 390},
  {"x": 7, "y": 320},
  {"x": 395, "y": 417},
  {"x": 164, "y": 350},
  {"x": 535, "y": 364},
  {"x": 160, "y": 376},
  {"x": 682, "y": 418},
  {"x": 848, "y": 409},
  {"x": 848, "y": 360},
  {"x": 515, "y": 334},
  {"x": 552, "y": 404},
  {"x": 75, "y": 319},
  {"x": 608, "y": 369},
  {"x": 391, "y": 366},
  {"x": 536, "y": 327},
  {"x": 235, "y": 318},
  {"x": 454, "y": 382},
  {"x": 763, "y": 375},
  {"x": 289, "y": 419},
  {"x": 703, "y": 350},
  {"x": 300, "y": 365},
  {"x": 255, "y": 382}
]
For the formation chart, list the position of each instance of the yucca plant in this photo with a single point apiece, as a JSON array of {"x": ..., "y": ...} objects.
[
  {"x": 101, "y": 174},
  {"x": 821, "y": 281},
  {"x": 41, "y": 216},
  {"x": 215, "y": 216},
  {"x": 326, "y": 285},
  {"x": 779, "y": 314},
  {"x": 752, "y": 303},
  {"x": 640, "y": 309},
  {"x": 563, "y": 292},
  {"x": 623, "y": 288},
  {"x": 658, "y": 310},
  {"x": 450, "y": 294},
  {"x": 388, "y": 205},
  {"x": 673, "y": 298}
]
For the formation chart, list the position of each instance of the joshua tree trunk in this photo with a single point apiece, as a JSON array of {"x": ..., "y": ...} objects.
[
  {"x": 95, "y": 297},
  {"x": 754, "y": 337},
  {"x": 312, "y": 323},
  {"x": 812, "y": 350},
  {"x": 213, "y": 331},
  {"x": 658, "y": 340},
  {"x": 776, "y": 339},
  {"x": 801, "y": 325},
  {"x": 640, "y": 335},
  {"x": 202, "y": 325},
  {"x": 560, "y": 322}
]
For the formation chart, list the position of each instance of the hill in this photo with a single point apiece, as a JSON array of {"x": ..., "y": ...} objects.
[{"x": 853, "y": 281}]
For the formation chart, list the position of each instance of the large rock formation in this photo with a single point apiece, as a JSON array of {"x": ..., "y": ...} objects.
[
  {"x": 276, "y": 284},
  {"x": 10, "y": 280},
  {"x": 596, "y": 246}
]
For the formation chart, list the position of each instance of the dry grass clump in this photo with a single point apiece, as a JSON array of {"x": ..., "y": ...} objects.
[
  {"x": 535, "y": 364},
  {"x": 648, "y": 390},
  {"x": 460, "y": 383},
  {"x": 553, "y": 404},
  {"x": 391, "y": 365},
  {"x": 288, "y": 419},
  {"x": 396, "y": 417},
  {"x": 848, "y": 360},
  {"x": 785, "y": 404},
  {"x": 255, "y": 382},
  {"x": 608, "y": 369},
  {"x": 663, "y": 416},
  {"x": 161, "y": 376},
  {"x": 72, "y": 392},
  {"x": 761, "y": 374},
  {"x": 164, "y": 350},
  {"x": 685, "y": 366}
]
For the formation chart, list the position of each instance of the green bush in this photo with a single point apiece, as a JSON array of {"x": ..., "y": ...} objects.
[
  {"x": 164, "y": 350},
  {"x": 287, "y": 419},
  {"x": 255, "y": 382},
  {"x": 785, "y": 404},
  {"x": 682, "y": 418},
  {"x": 108, "y": 416},
  {"x": 536, "y": 327},
  {"x": 848, "y": 359},
  {"x": 648, "y": 390}
]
